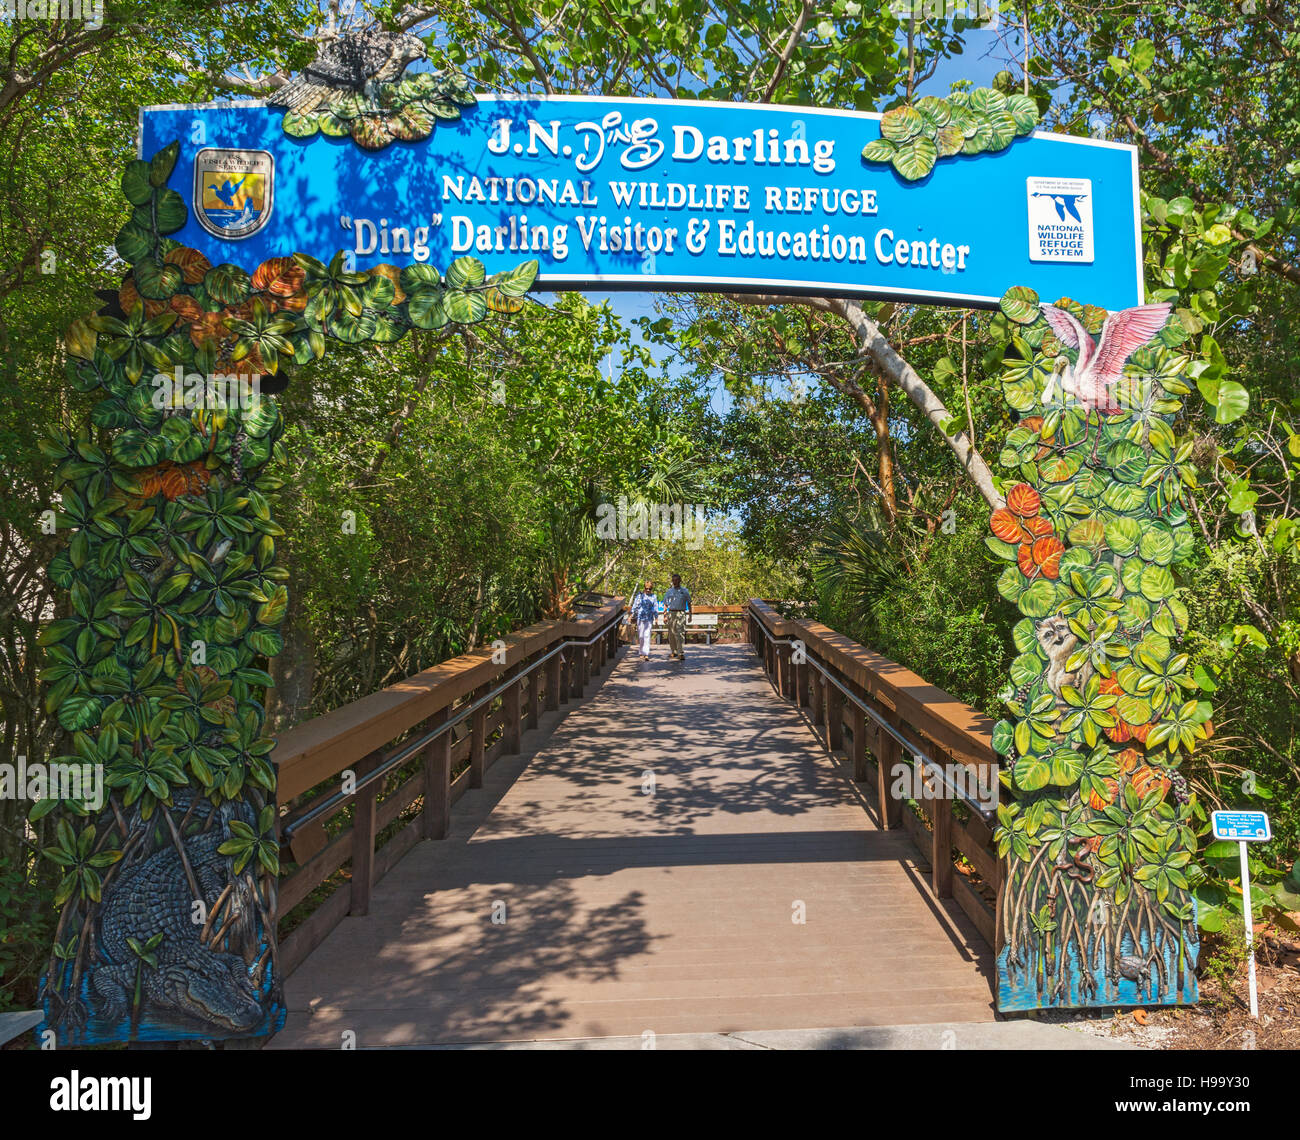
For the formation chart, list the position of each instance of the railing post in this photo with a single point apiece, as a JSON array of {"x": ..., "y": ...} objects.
[
  {"x": 784, "y": 684},
  {"x": 579, "y": 665},
  {"x": 364, "y": 809},
  {"x": 815, "y": 684},
  {"x": 834, "y": 717},
  {"x": 437, "y": 783},
  {"x": 534, "y": 693},
  {"x": 553, "y": 682},
  {"x": 563, "y": 658},
  {"x": 478, "y": 738},
  {"x": 888, "y": 753},
  {"x": 859, "y": 744},
  {"x": 803, "y": 683},
  {"x": 510, "y": 711},
  {"x": 941, "y": 844}
]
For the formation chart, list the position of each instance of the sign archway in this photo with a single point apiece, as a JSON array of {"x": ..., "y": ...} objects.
[{"x": 167, "y": 929}]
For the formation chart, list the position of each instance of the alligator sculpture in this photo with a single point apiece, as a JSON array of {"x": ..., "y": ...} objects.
[{"x": 191, "y": 981}]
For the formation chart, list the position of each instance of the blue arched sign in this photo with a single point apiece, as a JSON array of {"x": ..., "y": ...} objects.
[{"x": 655, "y": 194}]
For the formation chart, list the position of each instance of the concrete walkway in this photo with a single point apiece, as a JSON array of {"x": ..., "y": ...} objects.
[
  {"x": 675, "y": 854},
  {"x": 1020, "y": 1034}
]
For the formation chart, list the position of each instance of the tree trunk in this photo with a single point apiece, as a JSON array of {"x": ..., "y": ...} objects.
[
  {"x": 885, "y": 451},
  {"x": 294, "y": 670},
  {"x": 873, "y": 343},
  {"x": 891, "y": 367}
]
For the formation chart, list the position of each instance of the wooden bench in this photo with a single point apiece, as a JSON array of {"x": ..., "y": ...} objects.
[{"x": 699, "y": 624}]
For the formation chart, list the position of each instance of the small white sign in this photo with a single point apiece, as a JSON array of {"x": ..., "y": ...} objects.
[{"x": 1060, "y": 219}]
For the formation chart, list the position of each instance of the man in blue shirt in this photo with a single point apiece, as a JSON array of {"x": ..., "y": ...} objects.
[
  {"x": 641, "y": 613},
  {"x": 677, "y": 603}
]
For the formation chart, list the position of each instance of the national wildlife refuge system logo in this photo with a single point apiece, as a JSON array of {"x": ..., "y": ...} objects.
[
  {"x": 234, "y": 190},
  {"x": 1060, "y": 219}
]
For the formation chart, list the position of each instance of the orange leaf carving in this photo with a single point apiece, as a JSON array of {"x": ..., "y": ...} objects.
[
  {"x": 269, "y": 270},
  {"x": 1112, "y": 788},
  {"x": 1007, "y": 527},
  {"x": 1047, "y": 556},
  {"x": 1146, "y": 778},
  {"x": 192, "y": 264},
  {"x": 1023, "y": 500},
  {"x": 186, "y": 307}
]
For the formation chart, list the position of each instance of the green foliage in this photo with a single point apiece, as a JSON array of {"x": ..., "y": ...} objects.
[
  {"x": 26, "y": 927},
  {"x": 159, "y": 671},
  {"x": 1228, "y": 952},
  {"x": 1274, "y": 894},
  {"x": 860, "y": 558},
  {"x": 474, "y": 475},
  {"x": 716, "y": 565},
  {"x": 848, "y": 55},
  {"x": 936, "y": 617},
  {"x": 914, "y": 137},
  {"x": 405, "y": 109},
  {"x": 1251, "y": 675},
  {"x": 1220, "y": 226}
]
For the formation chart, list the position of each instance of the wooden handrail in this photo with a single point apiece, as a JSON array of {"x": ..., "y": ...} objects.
[
  {"x": 890, "y": 709},
  {"x": 327, "y": 745},
  {"x": 534, "y": 666},
  {"x": 941, "y": 717}
]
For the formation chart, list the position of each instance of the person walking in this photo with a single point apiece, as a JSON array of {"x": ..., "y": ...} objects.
[
  {"x": 641, "y": 613},
  {"x": 677, "y": 604}
]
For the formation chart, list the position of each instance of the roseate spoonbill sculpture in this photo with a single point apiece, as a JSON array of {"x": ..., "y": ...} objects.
[{"x": 1092, "y": 378}]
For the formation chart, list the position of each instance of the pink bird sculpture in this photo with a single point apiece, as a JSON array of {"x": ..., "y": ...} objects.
[{"x": 1092, "y": 378}]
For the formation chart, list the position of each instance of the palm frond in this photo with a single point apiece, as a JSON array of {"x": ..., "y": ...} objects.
[{"x": 860, "y": 558}]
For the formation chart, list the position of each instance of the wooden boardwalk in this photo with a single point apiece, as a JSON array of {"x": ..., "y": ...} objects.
[{"x": 569, "y": 903}]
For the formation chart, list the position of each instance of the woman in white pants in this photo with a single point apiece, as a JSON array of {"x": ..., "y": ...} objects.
[{"x": 641, "y": 613}]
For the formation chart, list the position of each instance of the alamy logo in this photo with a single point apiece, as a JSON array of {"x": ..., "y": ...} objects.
[
  {"x": 61, "y": 781},
  {"x": 1060, "y": 219},
  {"x": 89, "y": 12},
  {"x": 658, "y": 522},
  {"x": 75, "y": 1093},
  {"x": 929, "y": 781}
]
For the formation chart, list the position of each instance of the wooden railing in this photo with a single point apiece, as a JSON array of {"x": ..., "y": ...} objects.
[
  {"x": 888, "y": 721},
  {"x": 428, "y": 738}
]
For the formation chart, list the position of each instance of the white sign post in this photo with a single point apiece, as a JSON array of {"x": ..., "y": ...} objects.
[{"x": 1244, "y": 827}]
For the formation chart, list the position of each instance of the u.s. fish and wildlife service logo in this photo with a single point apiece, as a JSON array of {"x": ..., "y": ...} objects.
[{"x": 233, "y": 191}]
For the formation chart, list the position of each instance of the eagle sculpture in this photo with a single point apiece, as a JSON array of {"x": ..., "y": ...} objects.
[{"x": 349, "y": 65}]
